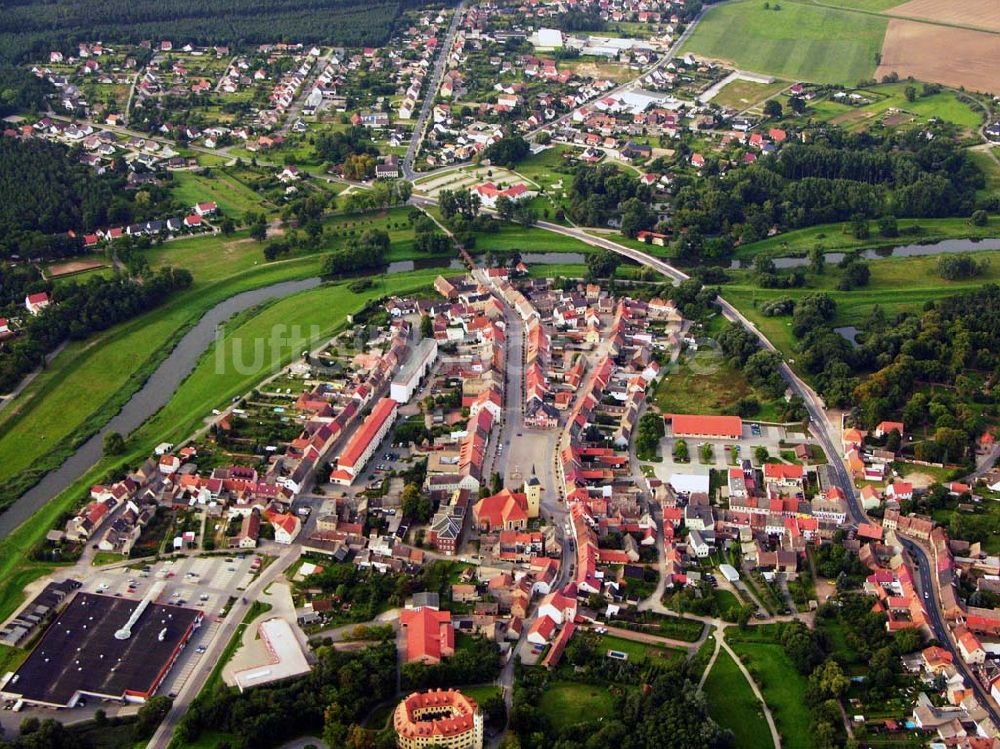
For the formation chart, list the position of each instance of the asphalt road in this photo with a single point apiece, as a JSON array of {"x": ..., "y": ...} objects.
[
  {"x": 191, "y": 688},
  {"x": 829, "y": 438},
  {"x": 430, "y": 93}
]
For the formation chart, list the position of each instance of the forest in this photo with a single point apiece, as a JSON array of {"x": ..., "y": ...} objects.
[
  {"x": 21, "y": 91},
  {"x": 48, "y": 193},
  {"x": 935, "y": 370},
  {"x": 330, "y": 701},
  {"x": 836, "y": 176},
  {"x": 30, "y": 28},
  {"x": 80, "y": 309}
]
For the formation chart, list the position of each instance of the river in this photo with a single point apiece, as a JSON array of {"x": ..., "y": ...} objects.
[
  {"x": 155, "y": 394},
  {"x": 944, "y": 247},
  {"x": 160, "y": 386}
]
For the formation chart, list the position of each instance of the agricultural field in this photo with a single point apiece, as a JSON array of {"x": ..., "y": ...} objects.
[
  {"x": 978, "y": 14},
  {"x": 732, "y": 704},
  {"x": 742, "y": 94},
  {"x": 797, "y": 42},
  {"x": 953, "y": 56},
  {"x": 872, "y": 6}
]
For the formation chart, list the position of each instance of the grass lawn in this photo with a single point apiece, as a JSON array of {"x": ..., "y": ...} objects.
[
  {"x": 232, "y": 196},
  {"x": 108, "y": 736},
  {"x": 783, "y": 688},
  {"x": 732, "y": 704},
  {"x": 742, "y": 94},
  {"x": 637, "y": 651},
  {"x": 946, "y": 105},
  {"x": 896, "y": 285},
  {"x": 107, "y": 370},
  {"x": 481, "y": 693},
  {"x": 707, "y": 385},
  {"x": 90, "y": 380},
  {"x": 258, "y": 345},
  {"x": 834, "y": 237},
  {"x": 726, "y": 599},
  {"x": 207, "y": 740},
  {"x": 107, "y": 557},
  {"x": 990, "y": 168},
  {"x": 797, "y": 42},
  {"x": 568, "y": 703},
  {"x": 11, "y": 658},
  {"x": 528, "y": 239}
]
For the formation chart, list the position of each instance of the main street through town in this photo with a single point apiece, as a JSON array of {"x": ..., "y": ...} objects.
[
  {"x": 828, "y": 435},
  {"x": 433, "y": 83}
]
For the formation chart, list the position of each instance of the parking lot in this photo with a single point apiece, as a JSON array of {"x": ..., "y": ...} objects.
[
  {"x": 199, "y": 582},
  {"x": 725, "y": 452}
]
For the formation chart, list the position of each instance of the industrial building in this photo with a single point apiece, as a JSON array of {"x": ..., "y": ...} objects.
[
  {"x": 105, "y": 647},
  {"x": 406, "y": 382}
]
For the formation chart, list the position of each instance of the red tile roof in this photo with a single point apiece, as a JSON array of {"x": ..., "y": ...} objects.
[
  {"x": 714, "y": 426},
  {"x": 373, "y": 423},
  {"x": 429, "y": 634}
]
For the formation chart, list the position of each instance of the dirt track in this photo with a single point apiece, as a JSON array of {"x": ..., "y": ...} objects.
[
  {"x": 955, "y": 57},
  {"x": 74, "y": 266}
]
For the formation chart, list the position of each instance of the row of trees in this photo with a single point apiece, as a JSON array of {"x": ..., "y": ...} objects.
[{"x": 81, "y": 309}]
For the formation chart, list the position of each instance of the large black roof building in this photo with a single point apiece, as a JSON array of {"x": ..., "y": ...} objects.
[{"x": 106, "y": 647}]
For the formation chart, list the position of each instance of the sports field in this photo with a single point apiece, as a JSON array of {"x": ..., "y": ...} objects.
[{"x": 796, "y": 42}]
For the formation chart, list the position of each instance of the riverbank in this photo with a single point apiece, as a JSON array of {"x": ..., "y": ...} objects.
[{"x": 326, "y": 307}]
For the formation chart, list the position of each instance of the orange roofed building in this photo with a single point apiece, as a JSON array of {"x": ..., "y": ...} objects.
[
  {"x": 428, "y": 633},
  {"x": 712, "y": 427},
  {"x": 445, "y": 718},
  {"x": 365, "y": 441},
  {"x": 507, "y": 511}
]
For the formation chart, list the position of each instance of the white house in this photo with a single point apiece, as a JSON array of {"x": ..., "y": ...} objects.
[{"x": 35, "y": 303}]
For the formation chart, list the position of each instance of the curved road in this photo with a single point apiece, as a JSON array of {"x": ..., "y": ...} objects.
[{"x": 828, "y": 436}]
